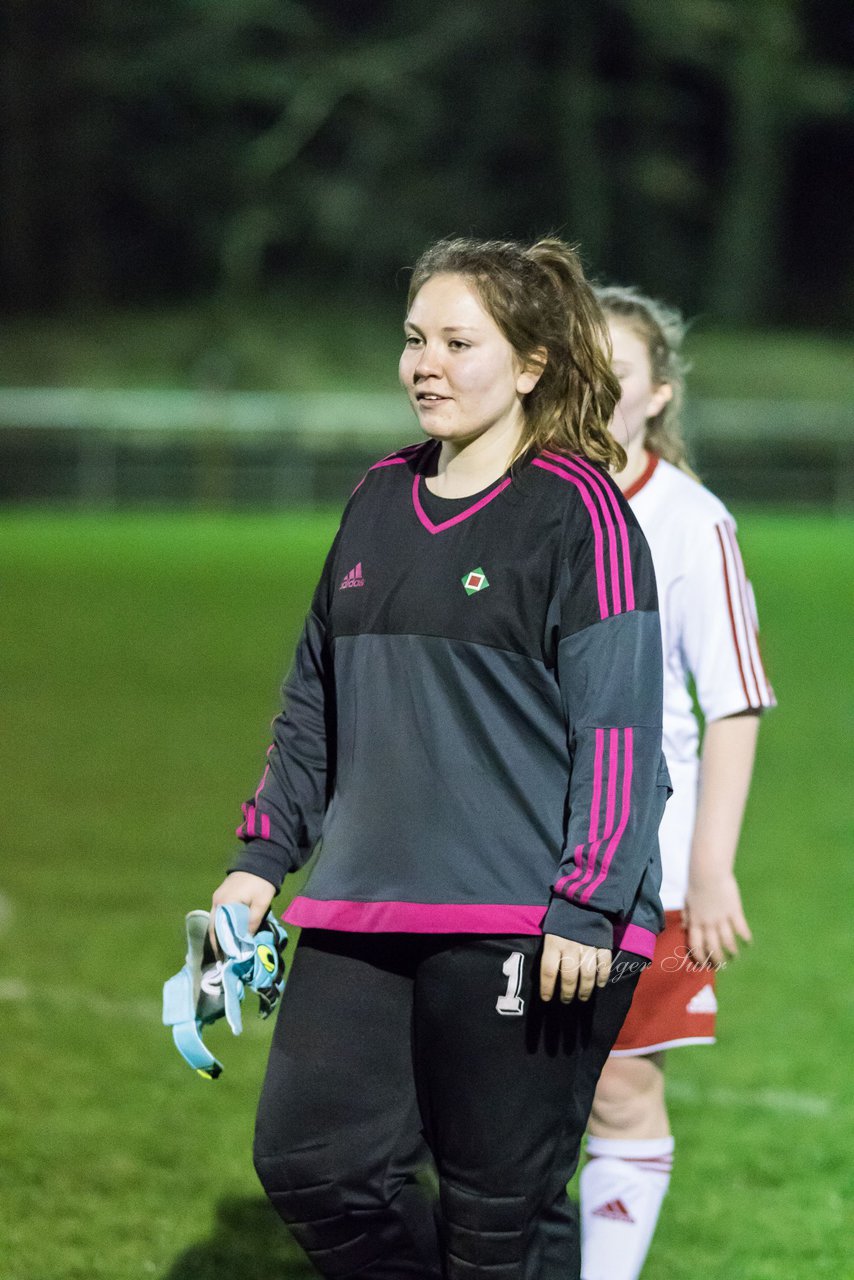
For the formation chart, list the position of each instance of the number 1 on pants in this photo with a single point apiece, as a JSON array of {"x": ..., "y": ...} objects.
[{"x": 511, "y": 1004}]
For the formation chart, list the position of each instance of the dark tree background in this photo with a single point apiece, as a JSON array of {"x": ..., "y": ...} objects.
[{"x": 169, "y": 148}]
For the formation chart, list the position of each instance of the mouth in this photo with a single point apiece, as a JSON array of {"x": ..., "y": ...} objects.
[{"x": 429, "y": 398}]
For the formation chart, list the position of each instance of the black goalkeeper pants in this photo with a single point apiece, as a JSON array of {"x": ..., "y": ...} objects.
[{"x": 402, "y": 1063}]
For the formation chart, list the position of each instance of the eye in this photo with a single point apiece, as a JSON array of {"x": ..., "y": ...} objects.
[
  {"x": 456, "y": 344},
  {"x": 411, "y": 340}
]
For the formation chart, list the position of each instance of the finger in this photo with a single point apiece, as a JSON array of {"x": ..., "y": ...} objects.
[
  {"x": 742, "y": 928},
  {"x": 726, "y": 938},
  {"x": 212, "y": 935},
  {"x": 715, "y": 952},
  {"x": 700, "y": 945},
  {"x": 548, "y": 972},
  {"x": 587, "y": 974},
  {"x": 569, "y": 975},
  {"x": 603, "y": 967},
  {"x": 257, "y": 915}
]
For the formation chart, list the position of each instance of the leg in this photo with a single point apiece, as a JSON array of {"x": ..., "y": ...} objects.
[
  {"x": 624, "y": 1183},
  {"x": 505, "y": 1091},
  {"x": 630, "y": 1152},
  {"x": 337, "y": 1140}
]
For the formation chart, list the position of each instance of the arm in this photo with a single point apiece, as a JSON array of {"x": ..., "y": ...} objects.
[
  {"x": 282, "y": 821},
  {"x": 718, "y": 629},
  {"x": 610, "y": 675},
  {"x": 713, "y": 911}
]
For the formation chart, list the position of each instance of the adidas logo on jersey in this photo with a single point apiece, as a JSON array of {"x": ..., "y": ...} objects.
[
  {"x": 704, "y": 1001},
  {"x": 615, "y": 1211},
  {"x": 353, "y": 578}
]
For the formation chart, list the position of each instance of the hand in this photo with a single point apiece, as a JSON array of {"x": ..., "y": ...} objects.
[
  {"x": 241, "y": 886},
  {"x": 577, "y": 967},
  {"x": 714, "y": 918}
]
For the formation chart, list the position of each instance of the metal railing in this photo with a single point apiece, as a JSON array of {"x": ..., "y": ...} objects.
[{"x": 112, "y": 446}]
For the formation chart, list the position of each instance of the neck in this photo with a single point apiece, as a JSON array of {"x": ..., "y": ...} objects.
[
  {"x": 467, "y": 467},
  {"x": 637, "y": 460}
]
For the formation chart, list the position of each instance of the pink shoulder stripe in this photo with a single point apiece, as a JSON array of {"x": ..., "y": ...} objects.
[
  {"x": 571, "y": 464},
  {"x": 608, "y": 499},
  {"x": 598, "y": 555},
  {"x": 398, "y": 458}
]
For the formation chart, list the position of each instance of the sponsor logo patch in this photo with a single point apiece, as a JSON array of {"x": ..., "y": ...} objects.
[{"x": 474, "y": 581}]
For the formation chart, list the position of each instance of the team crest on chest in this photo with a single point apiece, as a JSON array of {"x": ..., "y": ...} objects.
[{"x": 474, "y": 581}]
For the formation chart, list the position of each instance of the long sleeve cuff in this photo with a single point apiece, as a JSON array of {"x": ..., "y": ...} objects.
[
  {"x": 579, "y": 924},
  {"x": 256, "y": 858}
]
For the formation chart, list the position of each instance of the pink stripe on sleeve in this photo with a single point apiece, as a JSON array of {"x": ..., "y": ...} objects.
[
  {"x": 624, "y": 817},
  {"x": 578, "y": 858},
  {"x": 597, "y": 529},
  {"x": 263, "y": 780},
  {"x": 610, "y": 810},
  {"x": 595, "y": 808},
  {"x": 597, "y": 785}
]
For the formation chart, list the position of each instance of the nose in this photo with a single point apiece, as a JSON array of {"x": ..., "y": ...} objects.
[{"x": 427, "y": 365}]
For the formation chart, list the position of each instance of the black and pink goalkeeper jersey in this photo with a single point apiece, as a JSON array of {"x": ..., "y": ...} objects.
[{"x": 472, "y": 725}]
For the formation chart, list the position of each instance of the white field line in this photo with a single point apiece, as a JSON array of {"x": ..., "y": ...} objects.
[
  {"x": 787, "y": 1101},
  {"x": 145, "y": 1010}
]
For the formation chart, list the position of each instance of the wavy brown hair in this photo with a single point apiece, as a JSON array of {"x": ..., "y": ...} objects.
[
  {"x": 662, "y": 330},
  {"x": 541, "y": 301}
]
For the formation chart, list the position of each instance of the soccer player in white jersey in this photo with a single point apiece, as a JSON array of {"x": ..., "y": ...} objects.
[{"x": 710, "y": 637}]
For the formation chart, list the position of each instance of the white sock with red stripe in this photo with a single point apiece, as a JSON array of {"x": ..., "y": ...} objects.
[{"x": 622, "y": 1187}]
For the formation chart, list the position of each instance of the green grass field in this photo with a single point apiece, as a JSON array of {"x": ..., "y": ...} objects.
[{"x": 142, "y": 657}]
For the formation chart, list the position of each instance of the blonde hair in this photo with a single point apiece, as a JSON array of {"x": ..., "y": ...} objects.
[
  {"x": 540, "y": 300},
  {"x": 662, "y": 329}
]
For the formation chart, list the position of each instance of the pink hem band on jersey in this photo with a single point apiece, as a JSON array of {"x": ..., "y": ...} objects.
[
  {"x": 414, "y": 917},
  {"x": 441, "y": 917}
]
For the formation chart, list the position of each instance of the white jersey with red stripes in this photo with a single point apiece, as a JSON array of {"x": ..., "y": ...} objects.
[{"x": 709, "y": 633}]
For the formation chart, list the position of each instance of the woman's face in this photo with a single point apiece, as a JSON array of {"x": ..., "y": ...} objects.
[
  {"x": 461, "y": 374},
  {"x": 641, "y": 398}
]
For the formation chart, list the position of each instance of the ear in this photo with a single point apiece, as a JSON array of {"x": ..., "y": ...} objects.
[
  {"x": 531, "y": 371},
  {"x": 662, "y": 395}
]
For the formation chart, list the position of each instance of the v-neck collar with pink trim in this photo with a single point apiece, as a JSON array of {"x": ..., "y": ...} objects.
[{"x": 480, "y": 501}]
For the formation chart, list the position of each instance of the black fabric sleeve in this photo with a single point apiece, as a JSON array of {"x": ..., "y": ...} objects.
[
  {"x": 282, "y": 821},
  {"x": 610, "y": 674}
]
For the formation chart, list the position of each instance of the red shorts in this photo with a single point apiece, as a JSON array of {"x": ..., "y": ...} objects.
[{"x": 674, "y": 1002}]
